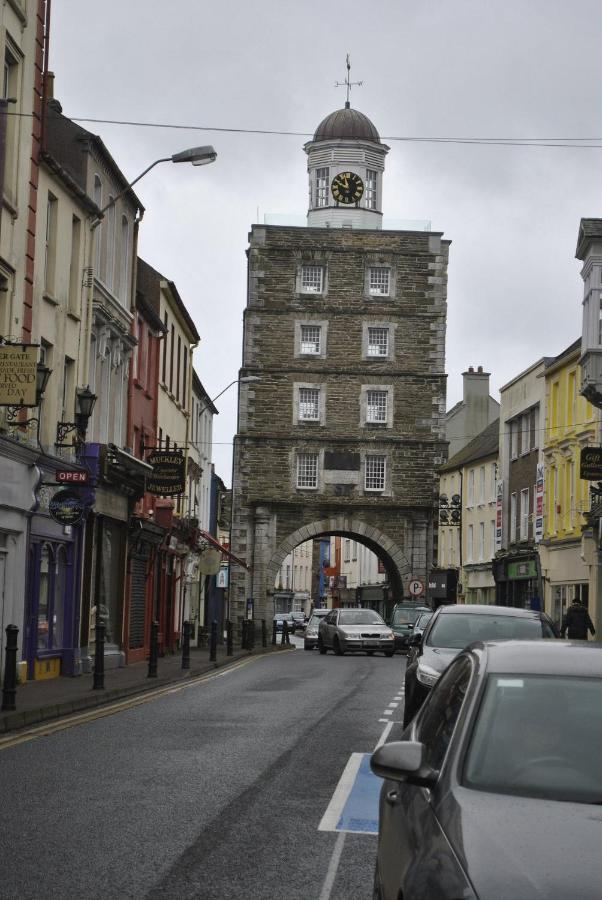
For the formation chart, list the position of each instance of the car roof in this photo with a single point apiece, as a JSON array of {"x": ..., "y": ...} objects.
[
  {"x": 547, "y": 657},
  {"x": 485, "y": 608}
]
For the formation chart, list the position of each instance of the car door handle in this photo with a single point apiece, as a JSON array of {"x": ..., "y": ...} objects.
[{"x": 392, "y": 797}]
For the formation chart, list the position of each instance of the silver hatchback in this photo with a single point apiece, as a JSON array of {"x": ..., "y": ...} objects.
[{"x": 355, "y": 629}]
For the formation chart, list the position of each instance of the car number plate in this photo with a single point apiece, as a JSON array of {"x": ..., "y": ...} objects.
[{"x": 370, "y": 643}]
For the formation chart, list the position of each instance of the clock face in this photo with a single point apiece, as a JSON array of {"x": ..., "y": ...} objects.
[{"x": 347, "y": 187}]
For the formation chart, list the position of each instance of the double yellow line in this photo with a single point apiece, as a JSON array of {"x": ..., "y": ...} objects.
[{"x": 99, "y": 712}]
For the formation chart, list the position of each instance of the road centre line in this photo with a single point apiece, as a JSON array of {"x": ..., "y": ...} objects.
[
  {"x": 337, "y": 852},
  {"x": 388, "y": 712},
  {"x": 393, "y": 705},
  {"x": 100, "y": 712}
]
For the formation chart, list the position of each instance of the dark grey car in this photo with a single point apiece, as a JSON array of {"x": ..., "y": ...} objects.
[
  {"x": 495, "y": 791},
  {"x": 452, "y": 628}
]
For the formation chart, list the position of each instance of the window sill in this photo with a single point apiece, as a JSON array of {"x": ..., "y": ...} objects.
[
  {"x": 71, "y": 314},
  {"x": 50, "y": 299}
]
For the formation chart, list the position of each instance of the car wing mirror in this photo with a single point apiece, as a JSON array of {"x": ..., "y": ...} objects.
[
  {"x": 403, "y": 761},
  {"x": 415, "y": 640}
]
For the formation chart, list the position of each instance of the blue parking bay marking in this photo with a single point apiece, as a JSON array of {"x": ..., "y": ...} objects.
[{"x": 354, "y": 804}]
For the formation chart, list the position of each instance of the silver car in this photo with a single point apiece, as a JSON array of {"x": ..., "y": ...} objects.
[
  {"x": 355, "y": 629},
  {"x": 310, "y": 638}
]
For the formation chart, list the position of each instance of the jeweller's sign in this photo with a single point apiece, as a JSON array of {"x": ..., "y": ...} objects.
[
  {"x": 169, "y": 473},
  {"x": 18, "y": 370},
  {"x": 66, "y": 507}
]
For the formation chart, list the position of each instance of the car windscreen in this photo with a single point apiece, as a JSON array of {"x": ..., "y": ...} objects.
[
  {"x": 538, "y": 736},
  {"x": 457, "y": 630},
  {"x": 359, "y": 617},
  {"x": 405, "y": 616},
  {"x": 423, "y": 620},
  {"x": 314, "y": 620}
]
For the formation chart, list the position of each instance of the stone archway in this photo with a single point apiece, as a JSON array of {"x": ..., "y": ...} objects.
[{"x": 393, "y": 557}]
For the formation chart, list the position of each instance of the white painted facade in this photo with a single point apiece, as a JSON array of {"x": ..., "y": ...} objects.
[{"x": 296, "y": 570}]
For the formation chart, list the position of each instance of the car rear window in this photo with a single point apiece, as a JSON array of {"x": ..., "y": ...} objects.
[
  {"x": 458, "y": 630},
  {"x": 405, "y": 616}
]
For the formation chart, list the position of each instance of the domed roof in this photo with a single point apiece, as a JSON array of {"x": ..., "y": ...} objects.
[{"x": 346, "y": 123}]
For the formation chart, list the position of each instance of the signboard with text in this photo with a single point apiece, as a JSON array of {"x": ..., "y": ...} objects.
[
  {"x": 66, "y": 507},
  {"x": 539, "y": 492},
  {"x": 71, "y": 477},
  {"x": 590, "y": 468},
  {"x": 18, "y": 374},
  {"x": 499, "y": 505},
  {"x": 169, "y": 473}
]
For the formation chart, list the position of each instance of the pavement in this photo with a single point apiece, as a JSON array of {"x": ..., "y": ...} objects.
[{"x": 42, "y": 701}]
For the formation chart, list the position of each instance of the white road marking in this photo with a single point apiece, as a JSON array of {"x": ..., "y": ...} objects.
[
  {"x": 383, "y": 720},
  {"x": 339, "y": 798},
  {"x": 385, "y": 734},
  {"x": 387, "y": 712},
  {"x": 393, "y": 705},
  {"x": 333, "y": 867}
]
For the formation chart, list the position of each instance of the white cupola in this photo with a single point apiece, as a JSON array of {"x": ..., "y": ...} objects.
[{"x": 345, "y": 164}]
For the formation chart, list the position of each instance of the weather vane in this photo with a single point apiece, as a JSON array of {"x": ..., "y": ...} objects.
[{"x": 348, "y": 83}]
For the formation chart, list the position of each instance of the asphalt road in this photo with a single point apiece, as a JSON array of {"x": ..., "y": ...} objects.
[{"x": 211, "y": 791}]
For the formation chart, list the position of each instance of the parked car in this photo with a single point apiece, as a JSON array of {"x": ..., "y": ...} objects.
[
  {"x": 299, "y": 622},
  {"x": 310, "y": 638},
  {"x": 507, "y": 746},
  {"x": 355, "y": 629},
  {"x": 403, "y": 617},
  {"x": 454, "y": 627},
  {"x": 421, "y": 623},
  {"x": 280, "y": 619}
]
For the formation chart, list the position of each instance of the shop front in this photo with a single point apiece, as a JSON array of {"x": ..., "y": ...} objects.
[
  {"x": 518, "y": 582},
  {"x": 566, "y": 577}
]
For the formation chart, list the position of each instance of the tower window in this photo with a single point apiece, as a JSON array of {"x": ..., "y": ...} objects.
[
  {"x": 312, "y": 279},
  {"x": 322, "y": 183},
  {"x": 379, "y": 283},
  {"x": 376, "y": 406},
  {"x": 309, "y": 404},
  {"x": 378, "y": 341},
  {"x": 311, "y": 339},
  {"x": 374, "y": 479},
  {"x": 307, "y": 470},
  {"x": 370, "y": 192}
]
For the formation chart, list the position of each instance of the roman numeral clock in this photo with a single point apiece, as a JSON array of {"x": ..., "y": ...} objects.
[{"x": 347, "y": 188}]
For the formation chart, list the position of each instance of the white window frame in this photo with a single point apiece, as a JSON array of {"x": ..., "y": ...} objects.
[
  {"x": 514, "y": 439},
  {"x": 307, "y": 471},
  {"x": 306, "y": 343},
  {"x": 481, "y": 541},
  {"x": 525, "y": 434},
  {"x": 524, "y": 514},
  {"x": 470, "y": 544},
  {"x": 322, "y": 187},
  {"x": 377, "y": 406},
  {"x": 371, "y": 189},
  {"x": 378, "y": 341},
  {"x": 481, "y": 485},
  {"x": 309, "y": 404},
  {"x": 373, "y": 461},
  {"x": 379, "y": 281},
  {"x": 309, "y": 281},
  {"x": 513, "y": 509},
  {"x": 470, "y": 488}
]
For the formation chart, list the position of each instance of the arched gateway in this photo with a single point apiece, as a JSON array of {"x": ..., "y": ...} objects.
[{"x": 341, "y": 429}]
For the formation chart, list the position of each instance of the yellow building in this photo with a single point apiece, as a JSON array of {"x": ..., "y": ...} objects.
[{"x": 566, "y": 551}]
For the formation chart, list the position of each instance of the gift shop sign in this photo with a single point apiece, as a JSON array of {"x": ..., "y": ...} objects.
[
  {"x": 169, "y": 473},
  {"x": 18, "y": 371}
]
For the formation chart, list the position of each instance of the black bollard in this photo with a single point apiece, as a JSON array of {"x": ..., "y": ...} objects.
[
  {"x": 99, "y": 657},
  {"x": 213, "y": 642},
  {"x": 9, "y": 685},
  {"x": 186, "y": 629},
  {"x": 251, "y": 635},
  {"x": 243, "y": 634},
  {"x": 264, "y": 634},
  {"x": 153, "y": 655},
  {"x": 274, "y": 633},
  {"x": 285, "y": 638},
  {"x": 229, "y": 649}
]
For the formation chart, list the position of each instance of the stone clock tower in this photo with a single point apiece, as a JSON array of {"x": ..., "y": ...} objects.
[
  {"x": 341, "y": 428},
  {"x": 345, "y": 163}
]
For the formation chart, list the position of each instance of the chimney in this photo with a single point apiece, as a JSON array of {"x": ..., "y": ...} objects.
[
  {"x": 476, "y": 384},
  {"x": 49, "y": 85}
]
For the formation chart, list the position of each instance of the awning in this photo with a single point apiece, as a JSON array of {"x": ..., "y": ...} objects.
[{"x": 215, "y": 543}]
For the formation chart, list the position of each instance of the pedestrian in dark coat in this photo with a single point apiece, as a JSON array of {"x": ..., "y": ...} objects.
[{"x": 577, "y": 622}]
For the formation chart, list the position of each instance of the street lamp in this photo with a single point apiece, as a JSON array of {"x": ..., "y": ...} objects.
[
  {"x": 85, "y": 404},
  {"x": 246, "y": 379},
  {"x": 197, "y": 156}
]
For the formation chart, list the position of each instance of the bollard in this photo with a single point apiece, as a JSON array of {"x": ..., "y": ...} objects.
[
  {"x": 264, "y": 634},
  {"x": 99, "y": 657},
  {"x": 251, "y": 635},
  {"x": 229, "y": 638},
  {"x": 285, "y": 637},
  {"x": 213, "y": 642},
  {"x": 9, "y": 685},
  {"x": 153, "y": 655},
  {"x": 243, "y": 634},
  {"x": 274, "y": 633},
  {"x": 186, "y": 629}
]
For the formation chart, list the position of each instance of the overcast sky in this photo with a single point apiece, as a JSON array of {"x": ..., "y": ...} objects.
[{"x": 430, "y": 69}]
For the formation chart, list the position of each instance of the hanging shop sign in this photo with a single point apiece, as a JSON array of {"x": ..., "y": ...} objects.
[
  {"x": 169, "y": 473},
  {"x": 18, "y": 374},
  {"x": 539, "y": 496},
  {"x": 499, "y": 516},
  {"x": 65, "y": 477},
  {"x": 222, "y": 578},
  {"x": 591, "y": 464},
  {"x": 66, "y": 507},
  {"x": 210, "y": 561}
]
